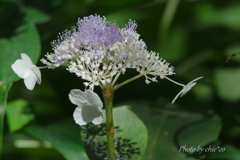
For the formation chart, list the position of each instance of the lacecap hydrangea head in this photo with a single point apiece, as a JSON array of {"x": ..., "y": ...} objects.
[{"x": 98, "y": 50}]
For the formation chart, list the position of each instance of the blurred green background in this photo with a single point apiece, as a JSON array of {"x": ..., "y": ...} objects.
[{"x": 201, "y": 39}]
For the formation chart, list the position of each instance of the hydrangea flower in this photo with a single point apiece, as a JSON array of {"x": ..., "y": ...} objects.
[
  {"x": 25, "y": 69},
  {"x": 186, "y": 87},
  {"x": 89, "y": 107},
  {"x": 99, "y": 51}
]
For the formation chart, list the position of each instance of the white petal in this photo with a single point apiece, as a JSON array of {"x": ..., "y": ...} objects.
[
  {"x": 187, "y": 88},
  {"x": 26, "y": 59},
  {"x": 30, "y": 82},
  {"x": 176, "y": 96},
  {"x": 89, "y": 107},
  {"x": 86, "y": 114},
  {"x": 195, "y": 79},
  {"x": 77, "y": 115},
  {"x": 76, "y": 97},
  {"x": 98, "y": 120},
  {"x": 21, "y": 69},
  {"x": 89, "y": 113},
  {"x": 37, "y": 73},
  {"x": 93, "y": 98}
]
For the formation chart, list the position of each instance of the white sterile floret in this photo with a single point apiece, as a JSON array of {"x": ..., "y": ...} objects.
[
  {"x": 26, "y": 70},
  {"x": 89, "y": 107},
  {"x": 186, "y": 88}
]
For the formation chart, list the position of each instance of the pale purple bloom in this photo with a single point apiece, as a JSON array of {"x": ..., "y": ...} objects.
[
  {"x": 99, "y": 51},
  {"x": 96, "y": 32}
]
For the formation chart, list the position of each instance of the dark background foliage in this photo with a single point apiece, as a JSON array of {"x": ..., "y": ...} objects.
[{"x": 203, "y": 39}]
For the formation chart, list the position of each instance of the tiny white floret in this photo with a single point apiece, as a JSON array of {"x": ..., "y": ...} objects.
[
  {"x": 26, "y": 70},
  {"x": 186, "y": 88},
  {"x": 89, "y": 107}
]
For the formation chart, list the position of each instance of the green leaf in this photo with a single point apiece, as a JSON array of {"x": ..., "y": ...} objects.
[
  {"x": 170, "y": 130},
  {"x": 227, "y": 82},
  {"x": 130, "y": 132},
  {"x": 130, "y": 128},
  {"x": 3, "y": 99},
  {"x": 18, "y": 114},
  {"x": 64, "y": 137},
  {"x": 36, "y": 16},
  {"x": 26, "y": 40}
]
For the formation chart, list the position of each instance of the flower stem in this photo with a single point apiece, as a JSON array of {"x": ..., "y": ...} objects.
[
  {"x": 174, "y": 81},
  {"x": 108, "y": 93},
  {"x": 108, "y": 100},
  {"x": 127, "y": 81},
  {"x": 115, "y": 79}
]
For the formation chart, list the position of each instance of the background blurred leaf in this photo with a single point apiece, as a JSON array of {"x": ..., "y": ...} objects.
[
  {"x": 19, "y": 144},
  {"x": 64, "y": 136},
  {"x": 227, "y": 82},
  {"x": 130, "y": 132},
  {"x": 209, "y": 15},
  {"x": 202, "y": 130},
  {"x": 176, "y": 45},
  {"x": 117, "y": 3},
  {"x": 232, "y": 53},
  {"x": 229, "y": 153},
  {"x": 18, "y": 114},
  {"x": 36, "y": 16},
  {"x": 76, "y": 7},
  {"x": 169, "y": 130},
  {"x": 122, "y": 16}
]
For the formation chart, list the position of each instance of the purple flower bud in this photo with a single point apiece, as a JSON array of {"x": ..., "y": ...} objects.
[{"x": 95, "y": 32}]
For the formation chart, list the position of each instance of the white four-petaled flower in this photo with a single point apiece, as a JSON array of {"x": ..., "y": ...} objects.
[
  {"x": 89, "y": 107},
  {"x": 25, "y": 69},
  {"x": 186, "y": 88}
]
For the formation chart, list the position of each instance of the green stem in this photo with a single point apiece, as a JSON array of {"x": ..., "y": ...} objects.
[
  {"x": 108, "y": 93},
  {"x": 108, "y": 100},
  {"x": 127, "y": 81},
  {"x": 115, "y": 79}
]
